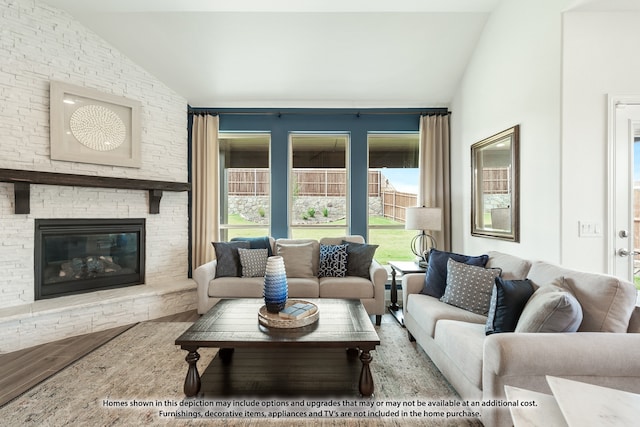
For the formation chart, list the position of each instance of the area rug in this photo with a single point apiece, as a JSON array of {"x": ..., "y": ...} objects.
[{"x": 137, "y": 378}]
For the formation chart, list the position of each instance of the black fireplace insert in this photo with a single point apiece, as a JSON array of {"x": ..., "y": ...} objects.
[{"x": 74, "y": 256}]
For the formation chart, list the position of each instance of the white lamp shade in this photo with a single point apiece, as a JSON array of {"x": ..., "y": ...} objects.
[{"x": 421, "y": 218}]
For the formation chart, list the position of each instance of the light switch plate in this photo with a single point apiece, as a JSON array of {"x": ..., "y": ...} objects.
[{"x": 589, "y": 229}]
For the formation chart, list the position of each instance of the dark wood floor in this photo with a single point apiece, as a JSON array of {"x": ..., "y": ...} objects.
[{"x": 23, "y": 369}]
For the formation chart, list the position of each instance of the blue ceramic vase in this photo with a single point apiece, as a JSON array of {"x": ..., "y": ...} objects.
[{"x": 276, "y": 289}]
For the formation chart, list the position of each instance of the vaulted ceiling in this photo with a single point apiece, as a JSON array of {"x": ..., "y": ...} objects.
[{"x": 295, "y": 53}]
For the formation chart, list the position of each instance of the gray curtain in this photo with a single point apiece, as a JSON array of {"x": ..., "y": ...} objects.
[{"x": 435, "y": 174}]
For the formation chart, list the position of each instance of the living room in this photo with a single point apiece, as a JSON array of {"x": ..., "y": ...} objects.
[{"x": 548, "y": 66}]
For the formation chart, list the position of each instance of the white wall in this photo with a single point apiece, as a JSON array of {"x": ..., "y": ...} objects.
[
  {"x": 600, "y": 57},
  {"x": 39, "y": 43},
  {"x": 514, "y": 77}
]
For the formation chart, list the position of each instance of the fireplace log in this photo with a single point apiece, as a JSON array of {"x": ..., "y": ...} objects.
[{"x": 22, "y": 179}]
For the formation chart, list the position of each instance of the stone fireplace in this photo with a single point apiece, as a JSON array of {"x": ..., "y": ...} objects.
[{"x": 74, "y": 256}]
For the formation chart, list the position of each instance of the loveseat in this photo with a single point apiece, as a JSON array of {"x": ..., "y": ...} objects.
[
  {"x": 364, "y": 278},
  {"x": 604, "y": 350}
]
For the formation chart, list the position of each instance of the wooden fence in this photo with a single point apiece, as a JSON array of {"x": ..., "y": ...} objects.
[
  {"x": 320, "y": 183},
  {"x": 495, "y": 181},
  {"x": 394, "y": 204},
  {"x": 307, "y": 182}
]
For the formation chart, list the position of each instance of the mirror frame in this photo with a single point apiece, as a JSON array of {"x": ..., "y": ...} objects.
[{"x": 513, "y": 235}]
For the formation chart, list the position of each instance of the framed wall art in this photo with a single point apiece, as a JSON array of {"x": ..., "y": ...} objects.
[{"x": 89, "y": 126}]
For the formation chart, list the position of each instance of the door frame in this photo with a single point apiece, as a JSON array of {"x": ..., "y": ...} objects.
[{"x": 612, "y": 102}]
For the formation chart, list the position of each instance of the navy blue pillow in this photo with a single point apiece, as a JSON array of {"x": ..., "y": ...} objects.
[
  {"x": 256, "y": 243},
  {"x": 507, "y": 302},
  {"x": 435, "y": 280}
]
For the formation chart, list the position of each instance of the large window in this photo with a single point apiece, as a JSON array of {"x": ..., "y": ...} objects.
[
  {"x": 318, "y": 185},
  {"x": 244, "y": 185},
  {"x": 393, "y": 186}
]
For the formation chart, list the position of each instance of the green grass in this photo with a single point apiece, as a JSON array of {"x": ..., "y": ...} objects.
[
  {"x": 636, "y": 281},
  {"x": 393, "y": 243}
]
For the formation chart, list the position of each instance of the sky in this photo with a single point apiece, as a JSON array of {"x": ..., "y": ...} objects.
[{"x": 404, "y": 180}]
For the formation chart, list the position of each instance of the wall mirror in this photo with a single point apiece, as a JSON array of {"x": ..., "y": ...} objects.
[{"x": 495, "y": 209}]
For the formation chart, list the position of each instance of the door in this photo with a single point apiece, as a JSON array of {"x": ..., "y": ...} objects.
[{"x": 625, "y": 189}]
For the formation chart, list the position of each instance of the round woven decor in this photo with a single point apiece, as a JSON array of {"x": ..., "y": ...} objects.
[{"x": 273, "y": 320}]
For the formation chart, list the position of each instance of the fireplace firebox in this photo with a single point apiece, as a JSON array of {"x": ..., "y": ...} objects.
[{"x": 75, "y": 256}]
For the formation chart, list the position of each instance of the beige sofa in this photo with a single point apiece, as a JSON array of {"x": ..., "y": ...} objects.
[
  {"x": 370, "y": 290},
  {"x": 604, "y": 351}
]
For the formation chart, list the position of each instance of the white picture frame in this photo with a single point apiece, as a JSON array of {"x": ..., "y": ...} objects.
[{"x": 89, "y": 126}]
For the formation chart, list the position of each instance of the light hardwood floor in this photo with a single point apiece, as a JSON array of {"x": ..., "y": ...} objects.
[{"x": 23, "y": 369}]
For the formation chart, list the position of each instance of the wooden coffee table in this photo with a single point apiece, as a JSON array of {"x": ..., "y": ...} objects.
[{"x": 233, "y": 323}]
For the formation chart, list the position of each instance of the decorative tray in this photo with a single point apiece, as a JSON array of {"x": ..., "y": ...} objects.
[{"x": 274, "y": 320}]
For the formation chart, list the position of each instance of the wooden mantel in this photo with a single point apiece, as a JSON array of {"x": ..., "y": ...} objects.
[{"x": 22, "y": 179}]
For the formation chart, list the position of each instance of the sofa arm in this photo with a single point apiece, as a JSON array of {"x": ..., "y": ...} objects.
[
  {"x": 412, "y": 283},
  {"x": 203, "y": 275},
  {"x": 525, "y": 359},
  {"x": 378, "y": 276}
]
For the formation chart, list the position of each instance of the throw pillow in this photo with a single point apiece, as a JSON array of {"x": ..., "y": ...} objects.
[
  {"x": 228, "y": 260},
  {"x": 333, "y": 261},
  {"x": 256, "y": 243},
  {"x": 298, "y": 258},
  {"x": 359, "y": 258},
  {"x": 253, "y": 261},
  {"x": 469, "y": 286},
  {"x": 550, "y": 309},
  {"x": 508, "y": 299},
  {"x": 435, "y": 279}
]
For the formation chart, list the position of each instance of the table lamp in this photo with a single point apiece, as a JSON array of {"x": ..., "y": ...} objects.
[{"x": 422, "y": 218}]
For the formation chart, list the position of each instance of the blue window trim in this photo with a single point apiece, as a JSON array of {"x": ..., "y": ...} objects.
[{"x": 359, "y": 123}]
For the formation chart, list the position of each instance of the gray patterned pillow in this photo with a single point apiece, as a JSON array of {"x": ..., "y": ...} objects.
[
  {"x": 469, "y": 287},
  {"x": 333, "y": 261},
  {"x": 254, "y": 262}
]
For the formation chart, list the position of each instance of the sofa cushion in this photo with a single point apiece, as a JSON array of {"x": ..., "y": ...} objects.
[
  {"x": 333, "y": 261},
  {"x": 607, "y": 302},
  {"x": 263, "y": 242},
  {"x": 435, "y": 280},
  {"x": 359, "y": 257},
  {"x": 355, "y": 238},
  {"x": 463, "y": 343},
  {"x": 303, "y": 287},
  {"x": 508, "y": 299},
  {"x": 346, "y": 287},
  {"x": 513, "y": 268},
  {"x": 469, "y": 286},
  {"x": 253, "y": 262},
  {"x": 550, "y": 309},
  {"x": 228, "y": 260},
  {"x": 298, "y": 258},
  {"x": 427, "y": 311},
  {"x": 236, "y": 287}
]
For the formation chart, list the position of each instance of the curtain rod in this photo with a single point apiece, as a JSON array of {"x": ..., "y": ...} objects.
[{"x": 325, "y": 111}]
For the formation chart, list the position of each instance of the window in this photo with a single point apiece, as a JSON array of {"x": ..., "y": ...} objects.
[
  {"x": 318, "y": 185},
  {"x": 244, "y": 185},
  {"x": 393, "y": 186}
]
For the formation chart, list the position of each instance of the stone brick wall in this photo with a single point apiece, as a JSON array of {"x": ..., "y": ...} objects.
[{"x": 39, "y": 43}]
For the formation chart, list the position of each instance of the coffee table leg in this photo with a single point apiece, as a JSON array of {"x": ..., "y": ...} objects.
[
  {"x": 192, "y": 381},
  {"x": 366, "y": 379},
  {"x": 225, "y": 355}
]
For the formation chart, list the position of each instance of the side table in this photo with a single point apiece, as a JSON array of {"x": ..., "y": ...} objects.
[{"x": 402, "y": 267}]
